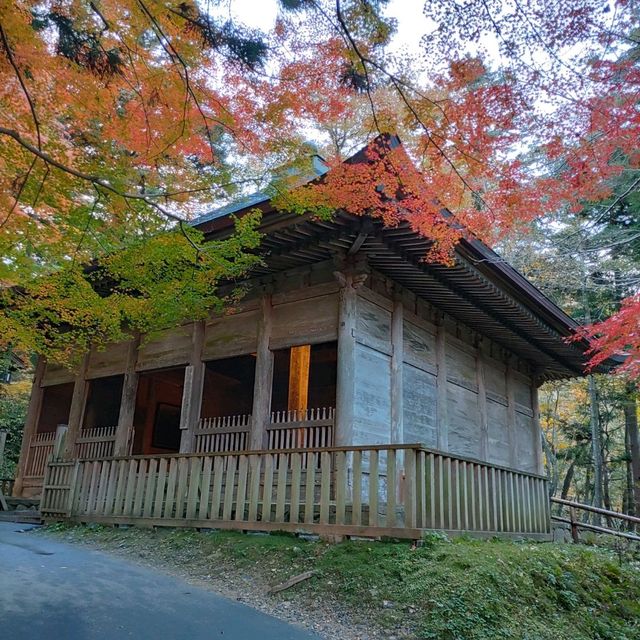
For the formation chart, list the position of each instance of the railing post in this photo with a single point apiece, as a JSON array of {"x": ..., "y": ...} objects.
[
  {"x": 574, "y": 525},
  {"x": 59, "y": 442}
]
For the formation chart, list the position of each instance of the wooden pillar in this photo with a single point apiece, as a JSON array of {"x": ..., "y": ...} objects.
[
  {"x": 397, "y": 357},
  {"x": 346, "y": 365},
  {"x": 442, "y": 409},
  {"x": 299, "y": 362},
  {"x": 483, "y": 417},
  {"x": 30, "y": 424},
  {"x": 538, "y": 435},
  {"x": 76, "y": 412},
  {"x": 124, "y": 430},
  {"x": 261, "y": 413},
  {"x": 511, "y": 415},
  {"x": 192, "y": 391}
]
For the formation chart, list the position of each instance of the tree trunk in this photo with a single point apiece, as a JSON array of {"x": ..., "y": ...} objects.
[
  {"x": 633, "y": 440},
  {"x": 566, "y": 484},
  {"x": 596, "y": 447}
]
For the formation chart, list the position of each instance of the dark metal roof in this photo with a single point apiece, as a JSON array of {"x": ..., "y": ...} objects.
[
  {"x": 480, "y": 289},
  {"x": 318, "y": 169}
]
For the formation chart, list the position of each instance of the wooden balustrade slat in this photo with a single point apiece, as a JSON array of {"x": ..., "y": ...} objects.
[
  {"x": 373, "y": 488},
  {"x": 205, "y": 487},
  {"x": 193, "y": 490},
  {"x": 281, "y": 487},
  {"x": 325, "y": 486},
  {"x": 216, "y": 494},
  {"x": 229, "y": 487},
  {"x": 254, "y": 489},
  {"x": 267, "y": 493},
  {"x": 392, "y": 488},
  {"x": 309, "y": 490},
  {"x": 341, "y": 486},
  {"x": 296, "y": 469},
  {"x": 356, "y": 509},
  {"x": 243, "y": 469}
]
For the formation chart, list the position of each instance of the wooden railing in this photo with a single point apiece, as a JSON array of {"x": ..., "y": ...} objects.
[
  {"x": 97, "y": 442},
  {"x": 40, "y": 448},
  {"x": 221, "y": 434},
  {"x": 386, "y": 490},
  {"x": 308, "y": 429},
  {"x": 614, "y": 519}
]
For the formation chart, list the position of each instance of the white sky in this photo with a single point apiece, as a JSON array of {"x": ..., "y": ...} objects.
[{"x": 412, "y": 24}]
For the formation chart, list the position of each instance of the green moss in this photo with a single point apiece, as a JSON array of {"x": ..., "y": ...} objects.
[{"x": 450, "y": 590}]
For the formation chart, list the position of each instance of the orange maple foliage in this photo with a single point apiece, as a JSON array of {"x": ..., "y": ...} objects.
[{"x": 120, "y": 118}]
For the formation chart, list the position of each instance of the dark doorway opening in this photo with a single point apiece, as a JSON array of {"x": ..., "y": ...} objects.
[
  {"x": 56, "y": 404},
  {"x": 103, "y": 402},
  {"x": 157, "y": 416},
  {"x": 228, "y": 387},
  {"x": 304, "y": 377}
]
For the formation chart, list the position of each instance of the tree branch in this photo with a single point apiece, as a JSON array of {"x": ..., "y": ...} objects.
[{"x": 87, "y": 177}]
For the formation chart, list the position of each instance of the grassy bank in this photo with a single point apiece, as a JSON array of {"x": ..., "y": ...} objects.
[{"x": 462, "y": 589}]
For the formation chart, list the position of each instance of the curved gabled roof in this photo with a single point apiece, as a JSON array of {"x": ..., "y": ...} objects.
[{"x": 480, "y": 289}]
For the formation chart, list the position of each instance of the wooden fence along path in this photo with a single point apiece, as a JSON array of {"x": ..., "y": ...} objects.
[{"x": 386, "y": 490}]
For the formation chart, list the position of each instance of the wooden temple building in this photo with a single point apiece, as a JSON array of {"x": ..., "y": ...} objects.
[{"x": 356, "y": 390}]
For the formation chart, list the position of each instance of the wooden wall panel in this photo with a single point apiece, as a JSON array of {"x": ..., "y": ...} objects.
[
  {"x": 419, "y": 406},
  {"x": 419, "y": 346},
  {"x": 231, "y": 335},
  {"x": 373, "y": 325},
  {"x": 169, "y": 348},
  {"x": 498, "y": 435},
  {"x": 526, "y": 442},
  {"x": 307, "y": 321},
  {"x": 110, "y": 361},
  {"x": 372, "y": 407},
  {"x": 461, "y": 367},
  {"x": 464, "y": 427},
  {"x": 57, "y": 374},
  {"x": 522, "y": 390}
]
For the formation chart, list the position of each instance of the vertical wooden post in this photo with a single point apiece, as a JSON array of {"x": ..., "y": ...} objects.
[
  {"x": 397, "y": 357},
  {"x": 261, "y": 413},
  {"x": 299, "y": 361},
  {"x": 192, "y": 391},
  {"x": 76, "y": 412},
  {"x": 345, "y": 381},
  {"x": 575, "y": 536},
  {"x": 124, "y": 430},
  {"x": 482, "y": 406},
  {"x": 442, "y": 409},
  {"x": 511, "y": 415},
  {"x": 538, "y": 435},
  {"x": 30, "y": 424},
  {"x": 58, "y": 444}
]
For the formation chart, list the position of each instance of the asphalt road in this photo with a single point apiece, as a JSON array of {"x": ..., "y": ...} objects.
[{"x": 55, "y": 591}]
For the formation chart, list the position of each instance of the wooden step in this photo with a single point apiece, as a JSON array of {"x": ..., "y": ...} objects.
[{"x": 24, "y": 516}]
